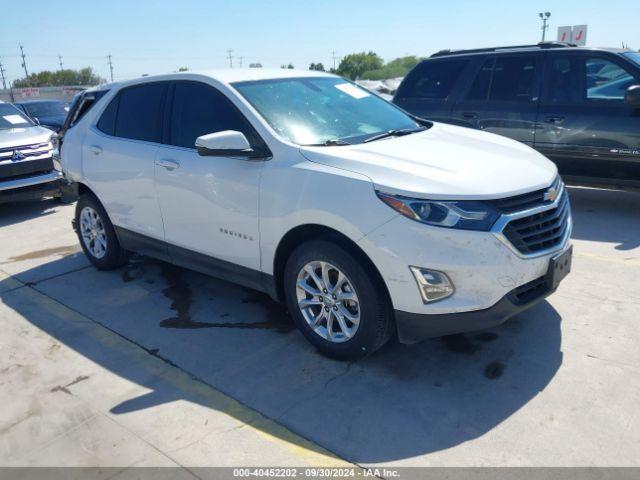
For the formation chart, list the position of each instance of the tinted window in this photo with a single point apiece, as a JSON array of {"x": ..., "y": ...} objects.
[
  {"x": 576, "y": 79},
  {"x": 84, "y": 104},
  {"x": 432, "y": 79},
  {"x": 107, "y": 122},
  {"x": 563, "y": 80},
  {"x": 606, "y": 80},
  {"x": 505, "y": 79},
  {"x": 199, "y": 109},
  {"x": 480, "y": 87},
  {"x": 140, "y": 112},
  {"x": 513, "y": 79},
  {"x": 45, "y": 109}
]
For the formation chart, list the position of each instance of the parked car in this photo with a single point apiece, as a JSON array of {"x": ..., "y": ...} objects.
[
  {"x": 578, "y": 106},
  {"x": 363, "y": 220},
  {"x": 29, "y": 161},
  {"x": 48, "y": 113}
]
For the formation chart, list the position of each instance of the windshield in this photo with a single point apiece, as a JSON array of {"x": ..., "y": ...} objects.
[
  {"x": 11, "y": 117},
  {"x": 45, "y": 109},
  {"x": 321, "y": 110},
  {"x": 635, "y": 56}
]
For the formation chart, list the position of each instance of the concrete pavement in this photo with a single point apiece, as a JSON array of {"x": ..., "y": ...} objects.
[{"x": 155, "y": 365}]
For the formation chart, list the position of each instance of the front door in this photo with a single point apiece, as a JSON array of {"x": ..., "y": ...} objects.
[
  {"x": 585, "y": 126},
  {"x": 503, "y": 97},
  {"x": 209, "y": 204}
]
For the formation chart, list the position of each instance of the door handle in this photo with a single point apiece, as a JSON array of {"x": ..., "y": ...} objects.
[
  {"x": 168, "y": 164},
  {"x": 469, "y": 115},
  {"x": 554, "y": 119},
  {"x": 95, "y": 149}
]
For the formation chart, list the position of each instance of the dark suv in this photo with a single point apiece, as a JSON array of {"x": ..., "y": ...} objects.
[{"x": 578, "y": 106}]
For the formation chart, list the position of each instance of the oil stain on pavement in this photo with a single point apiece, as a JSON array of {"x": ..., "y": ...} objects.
[
  {"x": 179, "y": 292},
  {"x": 46, "y": 252}
]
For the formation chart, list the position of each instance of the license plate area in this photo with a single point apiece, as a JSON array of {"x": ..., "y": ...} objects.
[{"x": 559, "y": 267}]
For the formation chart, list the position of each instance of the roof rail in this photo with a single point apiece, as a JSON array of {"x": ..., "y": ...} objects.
[{"x": 541, "y": 45}]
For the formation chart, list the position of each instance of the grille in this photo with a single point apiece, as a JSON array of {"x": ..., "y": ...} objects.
[
  {"x": 525, "y": 201},
  {"x": 33, "y": 150},
  {"x": 540, "y": 231},
  {"x": 27, "y": 166}
]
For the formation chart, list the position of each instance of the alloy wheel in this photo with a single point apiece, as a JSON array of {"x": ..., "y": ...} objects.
[
  {"x": 93, "y": 232},
  {"x": 328, "y": 302}
]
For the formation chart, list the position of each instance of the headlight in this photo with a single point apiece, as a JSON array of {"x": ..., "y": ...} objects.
[{"x": 464, "y": 215}]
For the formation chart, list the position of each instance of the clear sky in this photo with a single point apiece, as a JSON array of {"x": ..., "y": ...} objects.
[{"x": 160, "y": 36}]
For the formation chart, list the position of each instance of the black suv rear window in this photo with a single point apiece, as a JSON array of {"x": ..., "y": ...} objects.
[{"x": 432, "y": 79}]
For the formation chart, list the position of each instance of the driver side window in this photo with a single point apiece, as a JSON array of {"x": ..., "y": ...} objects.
[
  {"x": 606, "y": 80},
  {"x": 199, "y": 109}
]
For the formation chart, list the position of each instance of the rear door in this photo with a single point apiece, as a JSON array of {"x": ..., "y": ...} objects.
[
  {"x": 503, "y": 96},
  {"x": 428, "y": 89},
  {"x": 118, "y": 157},
  {"x": 586, "y": 127}
]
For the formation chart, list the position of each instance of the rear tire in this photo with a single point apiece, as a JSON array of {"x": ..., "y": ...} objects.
[
  {"x": 338, "y": 304},
  {"x": 97, "y": 235}
]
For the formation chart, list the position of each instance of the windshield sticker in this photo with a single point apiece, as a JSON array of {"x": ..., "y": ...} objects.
[
  {"x": 352, "y": 90},
  {"x": 14, "y": 119}
]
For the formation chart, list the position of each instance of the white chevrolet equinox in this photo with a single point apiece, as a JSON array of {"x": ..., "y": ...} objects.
[{"x": 364, "y": 220}]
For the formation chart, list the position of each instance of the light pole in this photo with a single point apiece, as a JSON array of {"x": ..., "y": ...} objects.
[{"x": 545, "y": 18}]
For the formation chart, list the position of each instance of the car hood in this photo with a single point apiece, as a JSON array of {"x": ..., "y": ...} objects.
[
  {"x": 17, "y": 137},
  {"x": 443, "y": 162}
]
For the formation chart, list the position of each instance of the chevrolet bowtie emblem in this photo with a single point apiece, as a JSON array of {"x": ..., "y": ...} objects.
[
  {"x": 17, "y": 155},
  {"x": 550, "y": 195}
]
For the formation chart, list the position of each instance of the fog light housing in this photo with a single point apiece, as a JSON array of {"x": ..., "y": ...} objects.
[{"x": 433, "y": 285}]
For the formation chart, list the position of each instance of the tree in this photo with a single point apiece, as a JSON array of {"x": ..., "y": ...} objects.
[
  {"x": 319, "y": 67},
  {"x": 183, "y": 69},
  {"x": 355, "y": 64},
  {"x": 255, "y": 65},
  {"x": 47, "y": 78},
  {"x": 398, "y": 67},
  {"x": 289, "y": 66}
]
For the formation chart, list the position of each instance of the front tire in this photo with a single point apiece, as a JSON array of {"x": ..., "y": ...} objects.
[
  {"x": 338, "y": 304},
  {"x": 97, "y": 235}
]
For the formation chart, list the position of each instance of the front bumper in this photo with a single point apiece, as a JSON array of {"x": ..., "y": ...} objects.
[
  {"x": 32, "y": 188},
  {"x": 415, "y": 327}
]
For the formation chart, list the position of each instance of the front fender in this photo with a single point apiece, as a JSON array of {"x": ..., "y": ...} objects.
[{"x": 310, "y": 193}]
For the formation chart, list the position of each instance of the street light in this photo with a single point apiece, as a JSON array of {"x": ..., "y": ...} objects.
[{"x": 545, "y": 18}]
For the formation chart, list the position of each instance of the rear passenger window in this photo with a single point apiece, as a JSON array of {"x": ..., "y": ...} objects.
[
  {"x": 432, "y": 79},
  {"x": 505, "y": 79},
  {"x": 480, "y": 87},
  {"x": 107, "y": 122},
  {"x": 140, "y": 112},
  {"x": 199, "y": 109}
]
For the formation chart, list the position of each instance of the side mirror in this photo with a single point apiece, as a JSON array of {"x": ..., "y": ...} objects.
[
  {"x": 632, "y": 96},
  {"x": 229, "y": 143}
]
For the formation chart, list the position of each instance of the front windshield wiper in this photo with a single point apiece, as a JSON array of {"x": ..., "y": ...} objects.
[
  {"x": 332, "y": 142},
  {"x": 394, "y": 133}
]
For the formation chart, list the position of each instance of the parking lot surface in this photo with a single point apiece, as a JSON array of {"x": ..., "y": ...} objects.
[{"x": 155, "y": 365}]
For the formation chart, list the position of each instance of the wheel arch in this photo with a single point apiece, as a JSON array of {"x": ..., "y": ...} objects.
[{"x": 304, "y": 233}]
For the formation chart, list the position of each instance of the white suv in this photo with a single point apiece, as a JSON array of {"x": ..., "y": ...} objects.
[{"x": 364, "y": 220}]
